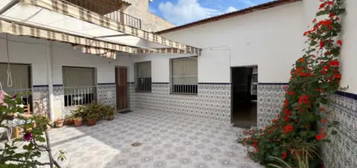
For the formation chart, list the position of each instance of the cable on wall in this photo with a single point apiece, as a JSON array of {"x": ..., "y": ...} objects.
[{"x": 8, "y": 71}]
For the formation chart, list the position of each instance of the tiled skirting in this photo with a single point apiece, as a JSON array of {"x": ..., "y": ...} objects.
[
  {"x": 106, "y": 94},
  {"x": 342, "y": 152},
  {"x": 40, "y": 99},
  {"x": 212, "y": 101}
]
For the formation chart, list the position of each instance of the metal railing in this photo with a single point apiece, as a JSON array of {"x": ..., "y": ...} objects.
[
  {"x": 116, "y": 15},
  {"x": 124, "y": 18},
  {"x": 143, "y": 84},
  {"x": 74, "y": 96}
]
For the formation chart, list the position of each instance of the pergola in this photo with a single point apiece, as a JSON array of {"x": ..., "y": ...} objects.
[{"x": 94, "y": 33}]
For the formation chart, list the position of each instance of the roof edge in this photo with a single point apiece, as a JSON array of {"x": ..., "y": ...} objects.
[{"x": 229, "y": 15}]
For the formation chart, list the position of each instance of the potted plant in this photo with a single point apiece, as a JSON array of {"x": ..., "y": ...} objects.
[
  {"x": 69, "y": 120},
  {"x": 59, "y": 123},
  {"x": 92, "y": 118},
  {"x": 108, "y": 112},
  {"x": 77, "y": 121}
]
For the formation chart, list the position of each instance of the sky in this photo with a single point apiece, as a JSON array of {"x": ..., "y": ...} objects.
[{"x": 181, "y": 12}]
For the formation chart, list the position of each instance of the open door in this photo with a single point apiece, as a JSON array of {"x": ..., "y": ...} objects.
[
  {"x": 244, "y": 96},
  {"x": 121, "y": 78}
]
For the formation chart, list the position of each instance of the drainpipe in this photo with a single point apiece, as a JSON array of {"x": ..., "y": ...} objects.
[{"x": 50, "y": 81}]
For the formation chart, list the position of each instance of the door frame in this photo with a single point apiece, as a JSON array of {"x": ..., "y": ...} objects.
[
  {"x": 117, "y": 91},
  {"x": 231, "y": 76}
]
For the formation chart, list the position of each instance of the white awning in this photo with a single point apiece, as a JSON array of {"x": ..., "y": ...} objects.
[{"x": 61, "y": 16}]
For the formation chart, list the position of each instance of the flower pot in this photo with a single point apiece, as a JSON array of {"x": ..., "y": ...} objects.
[
  {"x": 59, "y": 123},
  {"x": 91, "y": 122},
  {"x": 68, "y": 122},
  {"x": 77, "y": 122}
]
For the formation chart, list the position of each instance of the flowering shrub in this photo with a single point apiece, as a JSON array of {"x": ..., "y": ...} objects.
[
  {"x": 22, "y": 152},
  {"x": 302, "y": 126}
]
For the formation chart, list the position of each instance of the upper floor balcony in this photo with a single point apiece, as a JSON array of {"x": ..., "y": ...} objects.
[{"x": 111, "y": 9}]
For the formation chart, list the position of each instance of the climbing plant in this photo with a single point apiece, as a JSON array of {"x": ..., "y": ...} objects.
[
  {"x": 23, "y": 151},
  {"x": 294, "y": 137}
]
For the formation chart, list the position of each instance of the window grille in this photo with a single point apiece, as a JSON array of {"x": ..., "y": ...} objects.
[
  {"x": 79, "y": 86},
  {"x": 184, "y": 75},
  {"x": 143, "y": 76}
]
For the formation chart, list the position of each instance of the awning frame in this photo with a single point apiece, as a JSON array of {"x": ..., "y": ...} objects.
[{"x": 80, "y": 13}]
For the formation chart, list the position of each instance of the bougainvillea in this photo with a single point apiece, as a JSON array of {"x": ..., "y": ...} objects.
[{"x": 302, "y": 123}]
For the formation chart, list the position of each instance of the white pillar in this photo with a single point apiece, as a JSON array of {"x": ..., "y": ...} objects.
[{"x": 50, "y": 81}]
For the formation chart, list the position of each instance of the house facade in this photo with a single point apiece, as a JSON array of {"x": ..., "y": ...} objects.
[{"x": 259, "y": 44}]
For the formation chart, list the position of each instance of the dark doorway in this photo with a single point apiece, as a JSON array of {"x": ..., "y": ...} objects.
[
  {"x": 121, "y": 78},
  {"x": 244, "y": 96}
]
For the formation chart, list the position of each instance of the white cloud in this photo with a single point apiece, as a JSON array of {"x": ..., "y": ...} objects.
[
  {"x": 231, "y": 9},
  {"x": 185, "y": 11}
]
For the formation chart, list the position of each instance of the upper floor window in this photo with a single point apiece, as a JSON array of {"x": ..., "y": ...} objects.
[
  {"x": 184, "y": 75},
  {"x": 143, "y": 76}
]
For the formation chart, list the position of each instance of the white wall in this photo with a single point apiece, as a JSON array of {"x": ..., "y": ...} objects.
[
  {"x": 27, "y": 51},
  {"x": 37, "y": 53},
  {"x": 349, "y": 49},
  {"x": 270, "y": 38}
]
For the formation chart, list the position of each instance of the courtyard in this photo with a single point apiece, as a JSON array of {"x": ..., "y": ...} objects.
[{"x": 151, "y": 139}]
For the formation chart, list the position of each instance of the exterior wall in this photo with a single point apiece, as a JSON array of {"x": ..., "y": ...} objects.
[
  {"x": 150, "y": 22},
  {"x": 342, "y": 150},
  {"x": 46, "y": 60},
  {"x": 212, "y": 100},
  {"x": 266, "y": 38}
]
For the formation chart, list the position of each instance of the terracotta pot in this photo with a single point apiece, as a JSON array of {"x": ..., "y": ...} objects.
[
  {"x": 91, "y": 122},
  {"x": 77, "y": 122},
  {"x": 68, "y": 122},
  {"x": 59, "y": 123}
]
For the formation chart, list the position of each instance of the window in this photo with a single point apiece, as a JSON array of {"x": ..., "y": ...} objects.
[
  {"x": 143, "y": 76},
  {"x": 184, "y": 75},
  {"x": 21, "y": 80},
  {"x": 79, "y": 85}
]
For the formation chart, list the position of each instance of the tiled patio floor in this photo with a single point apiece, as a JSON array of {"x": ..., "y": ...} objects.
[{"x": 168, "y": 141}]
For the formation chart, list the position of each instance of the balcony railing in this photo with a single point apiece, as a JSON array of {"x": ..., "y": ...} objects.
[
  {"x": 74, "y": 96},
  {"x": 109, "y": 11},
  {"x": 125, "y": 19}
]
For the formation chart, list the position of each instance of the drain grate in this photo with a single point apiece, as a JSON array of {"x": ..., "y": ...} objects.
[{"x": 136, "y": 144}]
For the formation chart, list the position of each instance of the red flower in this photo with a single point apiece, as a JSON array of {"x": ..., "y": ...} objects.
[
  {"x": 288, "y": 128},
  {"x": 284, "y": 155},
  {"x": 301, "y": 60},
  {"x": 337, "y": 76},
  {"x": 286, "y": 102},
  {"x": 305, "y": 74},
  {"x": 331, "y": 15},
  {"x": 304, "y": 99},
  {"x": 27, "y": 136},
  {"x": 291, "y": 93},
  {"x": 339, "y": 42},
  {"x": 322, "y": 6},
  {"x": 287, "y": 112},
  {"x": 334, "y": 63},
  {"x": 322, "y": 44},
  {"x": 320, "y": 136},
  {"x": 286, "y": 118}
]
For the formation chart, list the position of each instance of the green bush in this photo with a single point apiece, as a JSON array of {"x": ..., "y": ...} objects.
[{"x": 94, "y": 111}]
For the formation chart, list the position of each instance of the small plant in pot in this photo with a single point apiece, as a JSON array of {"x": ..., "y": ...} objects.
[
  {"x": 69, "y": 120},
  {"x": 59, "y": 123},
  {"x": 92, "y": 118},
  {"x": 77, "y": 121},
  {"x": 109, "y": 112}
]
